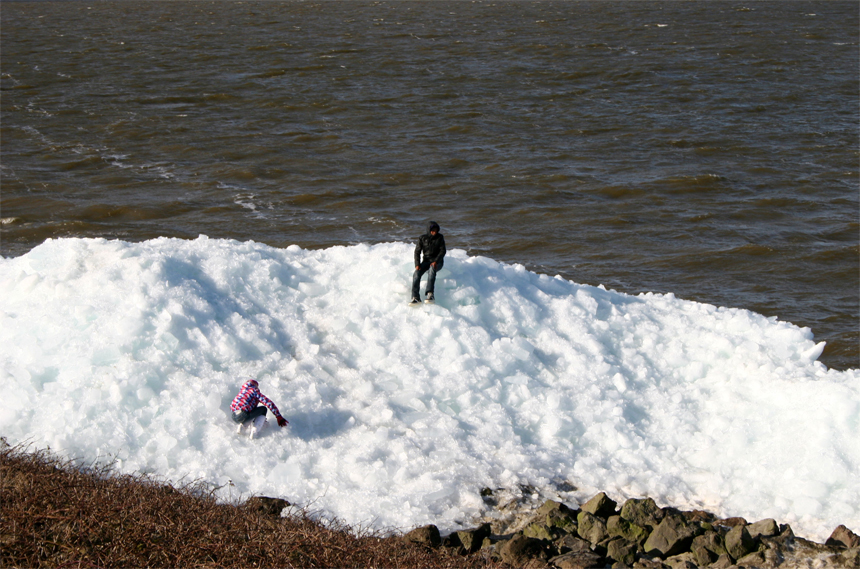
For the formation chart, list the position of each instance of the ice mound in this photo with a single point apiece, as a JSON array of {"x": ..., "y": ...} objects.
[{"x": 400, "y": 416}]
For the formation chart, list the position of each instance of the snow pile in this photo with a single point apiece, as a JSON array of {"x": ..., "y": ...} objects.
[{"x": 401, "y": 415}]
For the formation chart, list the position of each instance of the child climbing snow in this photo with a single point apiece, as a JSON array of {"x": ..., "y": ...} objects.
[{"x": 245, "y": 409}]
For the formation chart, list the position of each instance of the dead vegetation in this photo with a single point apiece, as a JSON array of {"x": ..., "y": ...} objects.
[{"x": 56, "y": 513}]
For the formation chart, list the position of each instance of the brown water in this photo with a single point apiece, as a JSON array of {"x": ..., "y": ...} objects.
[{"x": 709, "y": 149}]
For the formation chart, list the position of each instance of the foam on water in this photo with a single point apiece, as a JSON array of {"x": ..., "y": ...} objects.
[{"x": 400, "y": 416}]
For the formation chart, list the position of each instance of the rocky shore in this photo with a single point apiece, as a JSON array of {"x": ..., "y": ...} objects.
[{"x": 639, "y": 534}]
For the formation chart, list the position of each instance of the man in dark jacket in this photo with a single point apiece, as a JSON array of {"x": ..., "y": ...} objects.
[{"x": 432, "y": 246}]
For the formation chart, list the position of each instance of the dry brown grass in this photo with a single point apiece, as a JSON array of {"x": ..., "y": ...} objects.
[{"x": 56, "y": 513}]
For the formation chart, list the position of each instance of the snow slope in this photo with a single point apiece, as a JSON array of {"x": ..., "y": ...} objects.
[{"x": 401, "y": 415}]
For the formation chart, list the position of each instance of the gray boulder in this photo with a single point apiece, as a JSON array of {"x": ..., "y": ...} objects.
[
  {"x": 563, "y": 520},
  {"x": 671, "y": 537},
  {"x": 617, "y": 526},
  {"x": 622, "y": 551},
  {"x": 601, "y": 506},
  {"x": 642, "y": 512},
  {"x": 571, "y": 544},
  {"x": 551, "y": 506},
  {"x": 579, "y": 560},
  {"x": 682, "y": 561},
  {"x": 520, "y": 549},
  {"x": 739, "y": 543},
  {"x": 843, "y": 537},
  {"x": 754, "y": 559},
  {"x": 732, "y": 522},
  {"x": 427, "y": 535},
  {"x": 704, "y": 557},
  {"x": 763, "y": 528},
  {"x": 473, "y": 539},
  {"x": 708, "y": 547},
  {"x": 783, "y": 540},
  {"x": 649, "y": 563},
  {"x": 550, "y": 522},
  {"x": 542, "y": 531},
  {"x": 267, "y": 506},
  {"x": 722, "y": 562},
  {"x": 591, "y": 528},
  {"x": 850, "y": 557}
]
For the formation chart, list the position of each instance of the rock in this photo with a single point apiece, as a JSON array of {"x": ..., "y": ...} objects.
[
  {"x": 473, "y": 539},
  {"x": 267, "y": 506},
  {"x": 699, "y": 516},
  {"x": 427, "y": 535},
  {"x": 673, "y": 536},
  {"x": 732, "y": 522},
  {"x": 843, "y": 537},
  {"x": 646, "y": 563},
  {"x": 452, "y": 541},
  {"x": 551, "y": 506},
  {"x": 784, "y": 540},
  {"x": 580, "y": 560},
  {"x": 682, "y": 561},
  {"x": 617, "y": 526},
  {"x": 622, "y": 550},
  {"x": 591, "y": 528},
  {"x": 600, "y": 505},
  {"x": 777, "y": 548},
  {"x": 571, "y": 544},
  {"x": 773, "y": 556},
  {"x": 541, "y": 531},
  {"x": 518, "y": 550},
  {"x": 739, "y": 543},
  {"x": 704, "y": 557},
  {"x": 563, "y": 520},
  {"x": 642, "y": 512},
  {"x": 600, "y": 548},
  {"x": 722, "y": 562},
  {"x": 764, "y": 528},
  {"x": 708, "y": 547},
  {"x": 825, "y": 556},
  {"x": 754, "y": 559},
  {"x": 850, "y": 557},
  {"x": 564, "y": 537}
]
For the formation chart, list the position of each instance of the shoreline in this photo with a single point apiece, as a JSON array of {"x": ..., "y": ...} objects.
[{"x": 65, "y": 513}]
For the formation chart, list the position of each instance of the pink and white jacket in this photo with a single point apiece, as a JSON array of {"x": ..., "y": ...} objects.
[{"x": 248, "y": 398}]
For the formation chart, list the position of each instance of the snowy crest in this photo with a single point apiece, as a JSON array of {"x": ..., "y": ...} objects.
[{"x": 401, "y": 416}]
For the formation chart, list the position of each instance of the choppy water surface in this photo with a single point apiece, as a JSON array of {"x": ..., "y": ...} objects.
[{"x": 705, "y": 149}]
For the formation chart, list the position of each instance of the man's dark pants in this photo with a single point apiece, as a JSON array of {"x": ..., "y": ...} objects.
[{"x": 424, "y": 267}]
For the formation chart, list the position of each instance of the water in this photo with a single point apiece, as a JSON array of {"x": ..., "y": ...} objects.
[{"x": 704, "y": 149}]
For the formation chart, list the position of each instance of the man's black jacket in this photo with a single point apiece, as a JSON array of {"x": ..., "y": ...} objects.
[{"x": 433, "y": 248}]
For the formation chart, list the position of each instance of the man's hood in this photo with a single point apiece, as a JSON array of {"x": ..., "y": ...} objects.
[{"x": 432, "y": 226}]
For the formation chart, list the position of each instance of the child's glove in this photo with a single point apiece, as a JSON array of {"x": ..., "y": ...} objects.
[{"x": 282, "y": 422}]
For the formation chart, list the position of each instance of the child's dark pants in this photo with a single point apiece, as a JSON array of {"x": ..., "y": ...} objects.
[{"x": 243, "y": 416}]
